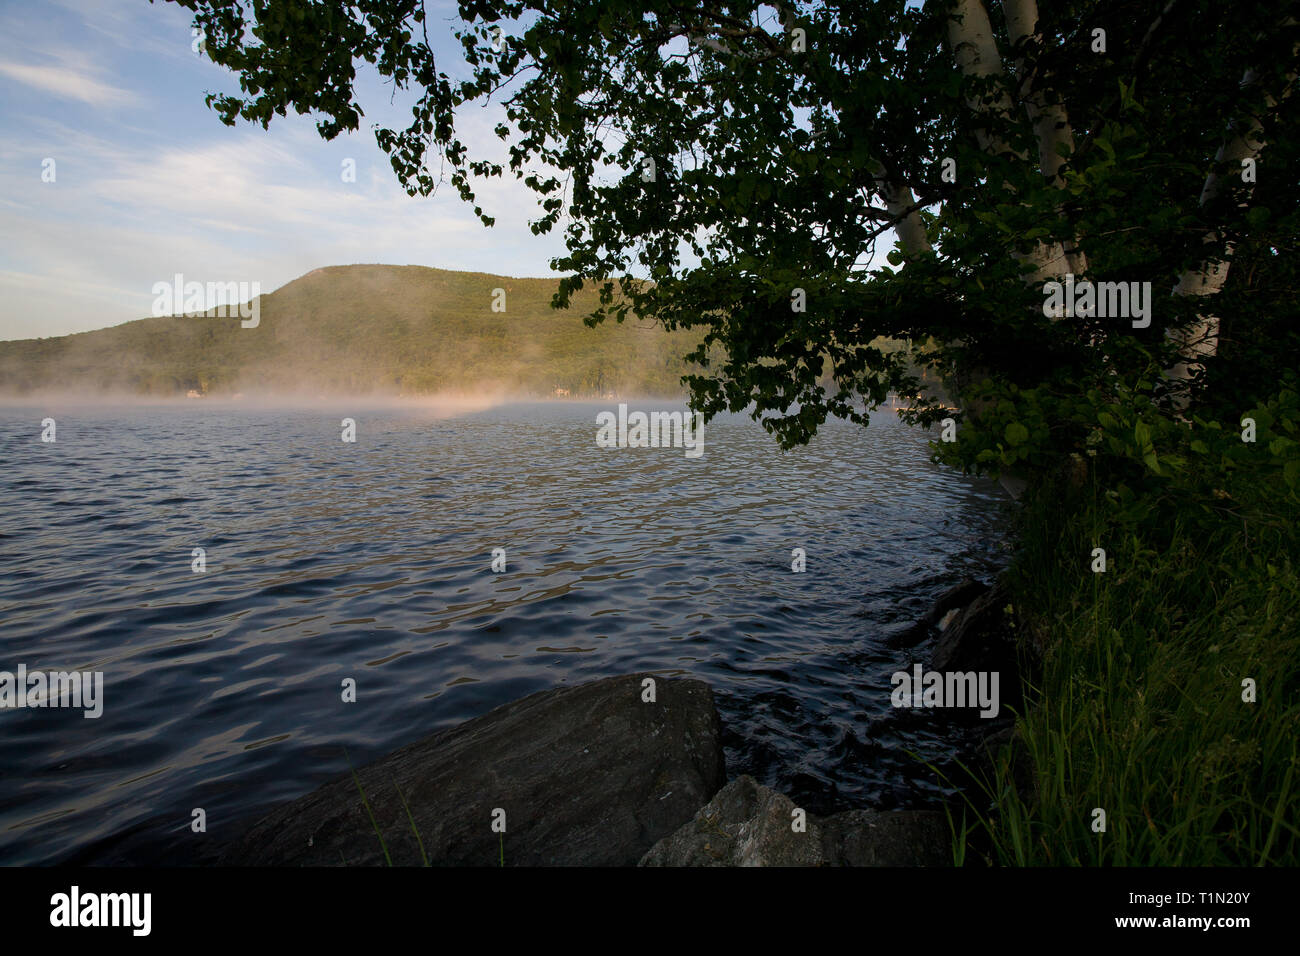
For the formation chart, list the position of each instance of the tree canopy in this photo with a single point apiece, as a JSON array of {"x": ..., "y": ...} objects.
[{"x": 751, "y": 159}]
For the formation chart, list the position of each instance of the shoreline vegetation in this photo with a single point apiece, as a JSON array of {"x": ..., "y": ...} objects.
[{"x": 1169, "y": 694}]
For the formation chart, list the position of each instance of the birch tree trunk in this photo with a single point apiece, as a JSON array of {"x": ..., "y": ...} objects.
[
  {"x": 1201, "y": 340},
  {"x": 970, "y": 37},
  {"x": 901, "y": 204},
  {"x": 1051, "y": 125}
]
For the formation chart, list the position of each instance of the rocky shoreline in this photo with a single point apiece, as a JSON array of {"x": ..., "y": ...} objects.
[{"x": 618, "y": 772}]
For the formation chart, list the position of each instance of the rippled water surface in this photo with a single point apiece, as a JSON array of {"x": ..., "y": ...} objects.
[{"x": 328, "y": 560}]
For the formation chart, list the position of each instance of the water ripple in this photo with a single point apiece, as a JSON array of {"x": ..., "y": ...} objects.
[{"x": 371, "y": 560}]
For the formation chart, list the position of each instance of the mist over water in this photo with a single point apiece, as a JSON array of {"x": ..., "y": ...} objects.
[
  {"x": 328, "y": 560},
  {"x": 308, "y": 398}
]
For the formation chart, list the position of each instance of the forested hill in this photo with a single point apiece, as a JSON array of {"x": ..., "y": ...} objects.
[{"x": 367, "y": 329}]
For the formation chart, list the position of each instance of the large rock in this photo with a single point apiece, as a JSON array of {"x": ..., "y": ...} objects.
[
  {"x": 747, "y": 824},
  {"x": 587, "y": 775}
]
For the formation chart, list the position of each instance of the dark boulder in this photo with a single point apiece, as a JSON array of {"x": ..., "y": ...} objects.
[
  {"x": 888, "y": 838},
  {"x": 586, "y": 775},
  {"x": 1006, "y": 750}
]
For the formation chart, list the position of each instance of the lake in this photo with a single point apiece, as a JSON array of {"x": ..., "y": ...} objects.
[{"x": 372, "y": 560}]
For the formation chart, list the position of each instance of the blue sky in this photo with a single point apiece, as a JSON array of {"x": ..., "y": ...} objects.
[{"x": 149, "y": 183}]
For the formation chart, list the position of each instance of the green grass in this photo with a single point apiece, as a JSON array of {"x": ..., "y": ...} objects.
[
  {"x": 424, "y": 857},
  {"x": 1139, "y": 709},
  {"x": 365, "y": 802},
  {"x": 374, "y": 823}
]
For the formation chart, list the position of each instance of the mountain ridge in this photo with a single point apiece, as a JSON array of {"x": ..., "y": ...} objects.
[{"x": 362, "y": 329}]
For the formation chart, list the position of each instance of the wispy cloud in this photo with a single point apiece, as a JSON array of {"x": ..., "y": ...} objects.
[{"x": 67, "y": 83}]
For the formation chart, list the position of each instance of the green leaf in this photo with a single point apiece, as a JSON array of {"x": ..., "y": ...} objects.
[{"x": 1016, "y": 434}]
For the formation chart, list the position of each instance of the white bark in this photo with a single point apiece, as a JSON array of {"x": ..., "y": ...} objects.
[
  {"x": 1201, "y": 340},
  {"x": 970, "y": 37},
  {"x": 1051, "y": 128},
  {"x": 901, "y": 204}
]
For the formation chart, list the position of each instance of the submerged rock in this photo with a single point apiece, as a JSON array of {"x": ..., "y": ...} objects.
[
  {"x": 979, "y": 638},
  {"x": 955, "y": 598},
  {"x": 585, "y": 775},
  {"x": 984, "y": 638},
  {"x": 958, "y": 596},
  {"x": 747, "y": 824}
]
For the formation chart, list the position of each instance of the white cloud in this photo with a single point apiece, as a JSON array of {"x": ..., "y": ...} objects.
[
  {"x": 67, "y": 83},
  {"x": 84, "y": 252}
]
